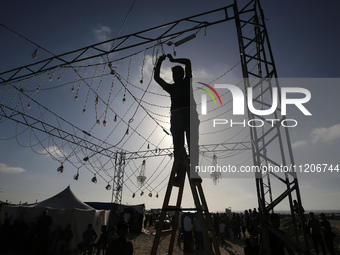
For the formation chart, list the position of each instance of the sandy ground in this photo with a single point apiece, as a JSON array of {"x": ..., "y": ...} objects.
[{"x": 143, "y": 242}]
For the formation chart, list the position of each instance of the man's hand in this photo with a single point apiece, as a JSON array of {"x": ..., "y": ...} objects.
[{"x": 170, "y": 58}]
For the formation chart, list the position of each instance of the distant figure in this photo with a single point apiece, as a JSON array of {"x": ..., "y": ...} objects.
[
  {"x": 89, "y": 238},
  {"x": 43, "y": 232},
  {"x": 184, "y": 118},
  {"x": 121, "y": 245},
  {"x": 248, "y": 249},
  {"x": 198, "y": 233},
  {"x": 327, "y": 233},
  {"x": 187, "y": 226},
  {"x": 315, "y": 228},
  {"x": 222, "y": 231},
  {"x": 65, "y": 237},
  {"x": 277, "y": 246},
  {"x": 103, "y": 240}
]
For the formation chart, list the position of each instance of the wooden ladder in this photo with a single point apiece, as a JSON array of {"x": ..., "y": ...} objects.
[{"x": 208, "y": 232}]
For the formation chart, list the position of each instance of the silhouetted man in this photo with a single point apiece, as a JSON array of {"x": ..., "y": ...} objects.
[{"x": 184, "y": 118}]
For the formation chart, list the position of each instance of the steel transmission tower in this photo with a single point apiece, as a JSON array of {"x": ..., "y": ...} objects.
[{"x": 270, "y": 143}]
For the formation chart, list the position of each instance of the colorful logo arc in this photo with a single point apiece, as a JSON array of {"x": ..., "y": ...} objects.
[{"x": 209, "y": 93}]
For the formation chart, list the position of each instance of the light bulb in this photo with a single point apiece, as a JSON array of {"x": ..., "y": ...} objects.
[
  {"x": 124, "y": 100},
  {"x": 94, "y": 179},
  {"x": 157, "y": 195},
  {"x": 76, "y": 177},
  {"x": 115, "y": 120},
  {"x": 96, "y": 101},
  {"x": 59, "y": 78},
  {"x": 37, "y": 89},
  {"x": 104, "y": 123},
  {"x": 98, "y": 121},
  {"x": 35, "y": 53},
  {"x": 60, "y": 169},
  {"x": 141, "y": 81},
  {"x": 86, "y": 159},
  {"x": 28, "y": 106},
  {"x": 127, "y": 131},
  {"x": 148, "y": 146},
  {"x": 150, "y": 194},
  {"x": 75, "y": 98},
  {"x": 50, "y": 79},
  {"x": 133, "y": 195},
  {"x": 108, "y": 187},
  {"x": 72, "y": 90},
  {"x": 142, "y": 193},
  {"x": 84, "y": 110}
]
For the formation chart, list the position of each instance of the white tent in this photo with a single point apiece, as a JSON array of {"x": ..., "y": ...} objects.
[{"x": 64, "y": 208}]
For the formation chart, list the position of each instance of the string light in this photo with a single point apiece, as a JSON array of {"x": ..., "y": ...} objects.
[
  {"x": 142, "y": 193},
  {"x": 76, "y": 176},
  {"x": 115, "y": 119},
  {"x": 108, "y": 186},
  {"x": 150, "y": 194},
  {"x": 133, "y": 195},
  {"x": 94, "y": 179},
  {"x": 35, "y": 53},
  {"x": 60, "y": 169}
]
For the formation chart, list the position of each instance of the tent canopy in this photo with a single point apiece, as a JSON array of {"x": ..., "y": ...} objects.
[{"x": 64, "y": 200}]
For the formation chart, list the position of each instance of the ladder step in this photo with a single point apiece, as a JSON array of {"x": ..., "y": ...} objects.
[
  {"x": 171, "y": 208},
  {"x": 168, "y": 232}
]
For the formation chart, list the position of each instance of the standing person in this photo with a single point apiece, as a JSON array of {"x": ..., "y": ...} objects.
[
  {"x": 198, "y": 233},
  {"x": 327, "y": 233},
  {"x": 121, "y": 245},
  {"x": 187, "y": 226},
  {"x": 184, "y": 118},
  {"x": 43, "y": 232},
  {"x": 315, "y": 228}
]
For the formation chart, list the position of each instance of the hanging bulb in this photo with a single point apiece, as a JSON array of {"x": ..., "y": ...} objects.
[
  {"x": 37, "y": 89},
  {"x": 142, "y": 193},
  {"x": 108, "y": 187},
  {"x": 86, "y": 159},
  {"x": 94, "y": 179},
  {"x": 113, "y": 72},
  {"x": 28, "y": 106},
  {"x": 124, "y": 100},
  {"x": 96, "y": 101},
  {"x": 157, "y": 195},
  {"x": 150, "y": 194},
  {"x": 76, "y": 176},
  {"x": 141, "y": 81},
  {"x": 60, "y": 169},
  {"x": 59, "y": 78},
  {"x": 35, "y": 53},
  {"x": 148, "y": 146},
  {"x": 175, "y": 53},
  {"x": 98, "y": 121},
  {"x": 109, "y": 64},
  {"x": 72, "y": 90},
  {"x": 127, "y": 131},
  {"x": 104, "y": 123},
  {"x": 84, "y": 110},
  {"x": 50, "y": 79},
  {"x": 75, "y": 98},
  {"x": 133, "y": 195},
  {"x": 115, "y": 119},
  {"x": 169, "y": 43}
]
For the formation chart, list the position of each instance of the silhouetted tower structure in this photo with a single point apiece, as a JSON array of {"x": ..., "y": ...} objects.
[
  {"x": 118, "y": 178},
  {"x": 270, "y": 143}
]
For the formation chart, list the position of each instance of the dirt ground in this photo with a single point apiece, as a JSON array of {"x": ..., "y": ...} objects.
[{"x": 143, "y": 242}]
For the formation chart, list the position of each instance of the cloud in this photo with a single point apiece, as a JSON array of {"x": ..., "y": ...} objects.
[
  {"x": 325, "y": 135},
  {"x": 299, "y": 144},
  {"x": 102, "y": 33},
  {"x": 53, "y": 151},
  {"x": 10, "y": 170}
]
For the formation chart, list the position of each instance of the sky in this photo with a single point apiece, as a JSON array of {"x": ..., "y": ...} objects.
[{"x": 304, "y": 42}]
